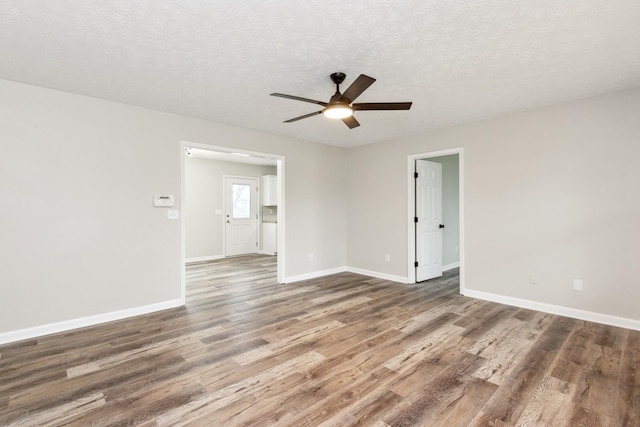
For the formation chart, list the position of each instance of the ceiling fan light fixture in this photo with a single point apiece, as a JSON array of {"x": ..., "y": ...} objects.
[{"x": 340, "y": 111}]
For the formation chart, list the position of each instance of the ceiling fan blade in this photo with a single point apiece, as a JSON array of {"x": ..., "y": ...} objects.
[
  {"x": 351, "y": 122},
  {"x": 381, "y": 106},
  {"x": 357, "y": 87},
  {"x": 295, "y": 119},
  {"x": 298, "y": 98}
]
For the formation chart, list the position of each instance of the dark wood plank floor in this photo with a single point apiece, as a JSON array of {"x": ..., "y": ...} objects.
[{"x": 337, "y": 351}]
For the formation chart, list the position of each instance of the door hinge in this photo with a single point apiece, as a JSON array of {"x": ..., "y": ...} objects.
[
  {"x": 415, "y": 219},
  {"x": 415, "y": 264},
  {"x": 415, "y": 174}
]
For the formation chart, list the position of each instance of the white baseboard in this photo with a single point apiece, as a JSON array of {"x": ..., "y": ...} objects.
[
  {"x": 67, "y": 325},
  {"x": 314, "y": 274},
  {"x": 575, "y": 313},
  {"x": 203, "y": 258},
  {"x": 378, "y": 275},
  {"x": 450, "y": 266}
]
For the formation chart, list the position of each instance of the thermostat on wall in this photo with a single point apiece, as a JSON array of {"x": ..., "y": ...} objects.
[{"x": 163, "y": 200}]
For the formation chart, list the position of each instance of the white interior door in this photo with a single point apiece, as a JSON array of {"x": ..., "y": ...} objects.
[
  {"x": 241, "y": 216},
  {"x": 429, "y": 220}
]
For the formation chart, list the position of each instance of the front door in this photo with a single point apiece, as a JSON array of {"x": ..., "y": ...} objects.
[
  {"x": 429, "y": 220},
  {"x": 241, "y": 216}
]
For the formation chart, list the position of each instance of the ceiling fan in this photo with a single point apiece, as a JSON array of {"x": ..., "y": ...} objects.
[{"x": 341, "y": 105}]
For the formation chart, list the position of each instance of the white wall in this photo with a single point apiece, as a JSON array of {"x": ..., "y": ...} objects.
[
  {"x": 79, "y": 234},
  {"x": 551, "y": 192},
  {"x": 204, "y": 194}
]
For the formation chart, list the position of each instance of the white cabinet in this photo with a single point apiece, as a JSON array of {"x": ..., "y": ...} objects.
[
  {"x": 269, "y": 214},
  {"x": 269, "y": 190},
  {"x": 269, "y": 238}
]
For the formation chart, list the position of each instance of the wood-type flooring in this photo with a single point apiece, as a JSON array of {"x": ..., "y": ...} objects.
[{"x": 340, "y": 350}]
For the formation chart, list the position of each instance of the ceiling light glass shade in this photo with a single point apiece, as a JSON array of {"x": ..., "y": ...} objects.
[{"x": 338, "y": 111}]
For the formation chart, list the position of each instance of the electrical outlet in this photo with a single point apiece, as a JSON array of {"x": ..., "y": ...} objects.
[
  {"x": 311, "y": 257},
  {"x": 533, "y": 280},
  {"x": 577, "y": 284},
  {"x": 387, "y": 257}
]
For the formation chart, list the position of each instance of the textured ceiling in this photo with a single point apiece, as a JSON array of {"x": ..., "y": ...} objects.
[{"x": 458, "y": 61}]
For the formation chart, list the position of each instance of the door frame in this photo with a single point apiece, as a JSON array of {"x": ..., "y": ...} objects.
[
  {"x": 224, "y": 209},
  {"x": 280, "y": 162},
  {"x": 411, "y": 209}
]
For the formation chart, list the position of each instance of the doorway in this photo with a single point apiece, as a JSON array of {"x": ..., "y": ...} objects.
[
  {"x": 435, "y": 227},
  {"x": 218, "y": 212}
]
